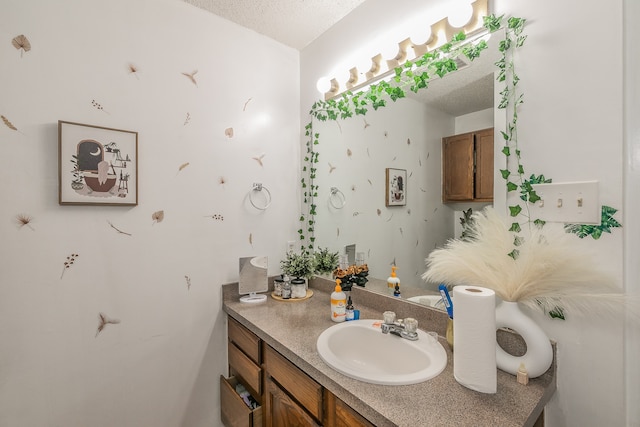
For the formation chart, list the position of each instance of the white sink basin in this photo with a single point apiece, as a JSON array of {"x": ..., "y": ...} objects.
[{"x": 358, "y": 349}]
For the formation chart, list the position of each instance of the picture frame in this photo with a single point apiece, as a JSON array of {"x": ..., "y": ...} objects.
[
  {"x": 97, "y": 165},
  {"x": 395, "y": 187}
]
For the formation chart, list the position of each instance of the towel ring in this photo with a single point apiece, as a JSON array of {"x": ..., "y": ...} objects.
[
  {"x": 338, "y": 195},
  {"x": 257, "y": 188}
]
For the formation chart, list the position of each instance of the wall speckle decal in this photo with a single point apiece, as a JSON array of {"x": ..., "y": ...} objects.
[
  {"x": 8, "y": 123},
  {"x": 133, "y": 70},
  {"x": 118, "y": 230},
  {"x": 366, "y": 125},
  {"x": 228, "y": 132},
  {"x": 251, "y": 239},
  {"x": 379, "y": 211},
  {"x": 217, "y": 217},
  {"x": 188, "y": 279},
  {"x": 349, "y": 152},
  {"x": 21, "y": 43},
  {"x": 187, "y": 119},
  {"x": 157, "y": 216},
  {"x": 103, "y": 321},
  {"x": 182, "y": 166},
  {"x": 98, "y": 106},
  {"x": 68, "y": 263},
  {"x": 222, "y": 180},
  {"x": 24, "y": 219},
  {"x": 191, "y": 77},
  {"x": 259, "y": 160},
  {"x": 244, "y": 108},
  {"x": 331, "y": 167},
  {"x": 408, "y": 141}
]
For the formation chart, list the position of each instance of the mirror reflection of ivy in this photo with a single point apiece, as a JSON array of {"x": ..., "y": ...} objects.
[{"x": 415, "y": 76}]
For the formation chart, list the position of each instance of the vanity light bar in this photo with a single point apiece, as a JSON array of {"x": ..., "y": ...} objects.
[{"x": 441, "y": 32}]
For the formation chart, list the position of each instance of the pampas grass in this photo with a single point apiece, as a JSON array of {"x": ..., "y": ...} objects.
[{"x": 552, "y": 270}]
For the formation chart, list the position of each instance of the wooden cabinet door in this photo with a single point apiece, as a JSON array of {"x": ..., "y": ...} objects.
[
  {"x": 282, "y": 411},
  {"x": 339, "y": 414},
  {"x": 484, "y": 165},
  {"x": 457, "y": 168}
]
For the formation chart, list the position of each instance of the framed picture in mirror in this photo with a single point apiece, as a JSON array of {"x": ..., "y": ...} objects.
[{"x": 396, "y": 187}]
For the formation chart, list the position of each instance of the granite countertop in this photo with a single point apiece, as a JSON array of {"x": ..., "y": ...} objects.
[{"x": 292, "y": 329}]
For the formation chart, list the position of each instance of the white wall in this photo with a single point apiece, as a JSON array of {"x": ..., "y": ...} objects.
[
  {"x": 160, "y": 365},
  {"x": 570, "y": 129}
]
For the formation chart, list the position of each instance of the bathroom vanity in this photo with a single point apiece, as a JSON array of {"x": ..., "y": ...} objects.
[{"x": 272, "y": 352}]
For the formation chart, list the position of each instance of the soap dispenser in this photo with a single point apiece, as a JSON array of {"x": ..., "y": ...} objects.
[
  {"x": 393, "y": 281},
  {"x": 338, "y": 304}
]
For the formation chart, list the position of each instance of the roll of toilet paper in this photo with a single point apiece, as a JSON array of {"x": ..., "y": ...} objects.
[{"x": 474, "y": 338}]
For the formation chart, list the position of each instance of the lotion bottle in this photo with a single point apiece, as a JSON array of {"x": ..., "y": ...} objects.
[
  {"x": 338, "y": 304},
  {"x": 393, "y": 280}
]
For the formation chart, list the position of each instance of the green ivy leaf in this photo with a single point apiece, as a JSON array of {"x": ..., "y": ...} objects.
[
  {"x": 515, "y": 227},
  {"x": 515, "y": 210}
]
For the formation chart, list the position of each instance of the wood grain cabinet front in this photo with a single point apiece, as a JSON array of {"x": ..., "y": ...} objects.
[
  {"x": 467, "y": 167},
  {"x": 234, "y": 411},
  {"x": 244, "y": 352},
  {"x": 298, "y": 385},
  {"x": 288, "y": 397}
]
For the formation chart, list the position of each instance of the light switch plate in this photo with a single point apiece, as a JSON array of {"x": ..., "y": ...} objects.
[{"x": 567, "y": 202}]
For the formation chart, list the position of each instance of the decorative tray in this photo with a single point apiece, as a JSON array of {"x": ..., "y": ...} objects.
[{"x": 275, "y": 297}]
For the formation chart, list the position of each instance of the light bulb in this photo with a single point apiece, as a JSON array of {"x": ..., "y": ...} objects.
[
  {"x": 390, "y": 50},
  {"x": 323, "y": 85},
  {"x": 420, "y": 34},
  {"x": 460, "y": 14}
]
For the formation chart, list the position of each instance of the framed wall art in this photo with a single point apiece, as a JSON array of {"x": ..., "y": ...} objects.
[
  {"x": 97, "y": 165},
  {"x": 396, "y": 187}
]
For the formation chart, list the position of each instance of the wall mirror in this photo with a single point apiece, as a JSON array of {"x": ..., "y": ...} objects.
[{"x": 406, "y": 135}]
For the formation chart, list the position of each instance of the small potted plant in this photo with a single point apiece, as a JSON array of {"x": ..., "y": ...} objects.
[
  {"x": 326, "y": 262},
  {"x": 299, "y": 266}
]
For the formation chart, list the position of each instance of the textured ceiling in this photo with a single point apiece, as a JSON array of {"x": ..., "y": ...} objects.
[{"x": 295, "y": 23}]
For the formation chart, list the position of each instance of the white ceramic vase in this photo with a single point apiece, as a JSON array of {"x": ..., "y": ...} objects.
[{"x": 539, "y": 355}]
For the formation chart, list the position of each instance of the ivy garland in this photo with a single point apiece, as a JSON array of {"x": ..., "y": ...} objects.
[{"x": 415, "y": 75}]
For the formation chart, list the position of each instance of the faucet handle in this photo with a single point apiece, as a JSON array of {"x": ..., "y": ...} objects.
[
  {"x": 410, "y": 325},
  {"x": 389, "y": 317}
]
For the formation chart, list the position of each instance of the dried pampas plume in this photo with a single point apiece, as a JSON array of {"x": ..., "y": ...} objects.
[{"x": 552, "y": 270}]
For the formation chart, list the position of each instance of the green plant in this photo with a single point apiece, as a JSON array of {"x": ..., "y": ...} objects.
[
  {"x": 300, "y": 265},
  {"x": 466, "y": 221},
  {"x": 325, "y": 261}
]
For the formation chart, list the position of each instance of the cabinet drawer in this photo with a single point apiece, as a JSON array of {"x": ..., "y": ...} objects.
[
  {"x": 233, "y": 411},
  {"x": 298, "y": 384},
  {"x": 246, "y": 340},
  {"x": 243, "y": 366}
]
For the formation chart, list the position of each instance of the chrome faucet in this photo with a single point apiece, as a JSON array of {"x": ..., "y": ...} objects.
[{"x": 406, "y": 328}]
